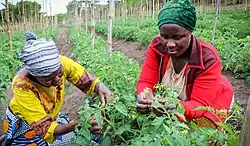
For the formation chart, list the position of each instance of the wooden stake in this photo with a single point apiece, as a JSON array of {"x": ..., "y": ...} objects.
[
  {"x": 111, "y": 15},
  {"x": 23, "y": 17},
  {"x": 76, "y": 14},
  {"x": 80, "y": 14},
  {"x": 86, "y": 15},
  {"x": 246, "y": 6},
  {"x": 215, "y": 19},
  {"x": 153, "y": 9},
  {"x": 244, "y": 139},
  {"x": 2, "y": 19},
  {"x": 92, "y": 23},
  {"x": 8, "y": 25},
  {"x": 51, "y": 17}
]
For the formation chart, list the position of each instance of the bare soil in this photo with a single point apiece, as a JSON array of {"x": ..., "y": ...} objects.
[{"x": 74, "y": 99}]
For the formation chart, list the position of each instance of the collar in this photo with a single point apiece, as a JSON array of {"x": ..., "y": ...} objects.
[{"x": 196, "y": 56}]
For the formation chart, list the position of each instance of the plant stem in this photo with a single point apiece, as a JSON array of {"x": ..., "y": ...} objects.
[{"x": 114, "y": 128}]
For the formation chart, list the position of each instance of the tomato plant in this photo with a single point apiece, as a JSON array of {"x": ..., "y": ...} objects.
[
  {"x": 121, "y": 123},
  {"x": 231, "y": 38}
]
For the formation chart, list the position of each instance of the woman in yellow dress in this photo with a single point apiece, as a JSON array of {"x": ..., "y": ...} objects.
[{"x": 33, "y": 116}]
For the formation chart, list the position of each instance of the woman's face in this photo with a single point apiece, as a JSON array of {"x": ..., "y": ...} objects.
[
  {"x": 54, "y": 79},
  {"x": 175, "y": 39}
]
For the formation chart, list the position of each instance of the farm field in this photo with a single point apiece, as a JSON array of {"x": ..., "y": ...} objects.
[{"x": 119, "y": 69}]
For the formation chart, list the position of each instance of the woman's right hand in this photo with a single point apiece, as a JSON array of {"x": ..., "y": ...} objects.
[{"x": 143, "y": 103}]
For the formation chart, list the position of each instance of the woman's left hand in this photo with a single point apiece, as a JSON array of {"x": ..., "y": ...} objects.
[
  {"x": 168, "y": 108},
  {"x": 104, "y": 93}
]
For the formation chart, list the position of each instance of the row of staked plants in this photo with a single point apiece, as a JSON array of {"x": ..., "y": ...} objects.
[
  {"x": 232, "y": 38},
  {"x": 121, "y": 123}
]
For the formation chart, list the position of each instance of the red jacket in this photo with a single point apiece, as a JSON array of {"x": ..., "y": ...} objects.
[{"x": 206, "y": 86}]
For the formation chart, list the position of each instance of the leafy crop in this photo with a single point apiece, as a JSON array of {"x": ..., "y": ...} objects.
[
  {"x": 231, "y": 38},
  {"x": 122, "y": 124}
]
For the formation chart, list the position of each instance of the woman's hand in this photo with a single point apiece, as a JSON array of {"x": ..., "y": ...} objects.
[
  {"x": 143, "y": 103},
  {"x": 95, "y": 128},
  {"x": 104, "y": 93},
  {"x": 160, "y": 112}
]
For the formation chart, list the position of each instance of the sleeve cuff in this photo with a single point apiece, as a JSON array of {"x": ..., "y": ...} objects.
[
  {"x": 92, "y": 87},
  {"x": 49, "y": 137}
]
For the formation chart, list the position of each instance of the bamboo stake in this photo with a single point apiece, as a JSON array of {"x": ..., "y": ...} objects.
[
  {"x": 92, "y": 23},
  {"x": 86, "y": 15},
  {"x": 46, "y": 18},
  {"x": 111, "y": 15},
  {"x": 8, "y": 25},
  {"x": 76, "y": 14},
  {"x": 244, "y": 139},
  {"x": 23, "y": 17},
  {"x": 55, "y": 22},
  {"x": 153, "y": 9},
  {"x": 35, "y": 19},
  {"x": 215, "y": 20},
  {"x": 43, "y": 19},
  {"x": 51, "y": 17},
  {"x": 158, "y": 5},
  {"x": 246, "y": 6},
  {"x": 2, "y": 19},
  {"x": 80, "y": 14},
  {"x": 12, "y": 18},
  {"x": 140, "y": 11}
]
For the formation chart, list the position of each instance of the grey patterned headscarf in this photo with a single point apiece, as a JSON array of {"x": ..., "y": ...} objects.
[{"x": 39, "y": 56}]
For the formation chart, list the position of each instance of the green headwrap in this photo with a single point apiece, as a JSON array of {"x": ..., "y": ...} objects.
[{"x": 180, "y": 12}]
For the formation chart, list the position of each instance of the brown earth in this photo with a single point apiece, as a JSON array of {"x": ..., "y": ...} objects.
[{"x": 74, "y": 99}]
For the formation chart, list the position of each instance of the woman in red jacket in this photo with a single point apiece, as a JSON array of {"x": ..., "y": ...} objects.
[{"x": 178, "y": 58}]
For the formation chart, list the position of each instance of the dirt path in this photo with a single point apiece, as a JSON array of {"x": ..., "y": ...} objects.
[
  {"x": 74, "y": 98},
  {"x": 137, "y": 51}
]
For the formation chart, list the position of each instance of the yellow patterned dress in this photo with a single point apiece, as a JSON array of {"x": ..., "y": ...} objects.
[{"x": 34, "y": 108}]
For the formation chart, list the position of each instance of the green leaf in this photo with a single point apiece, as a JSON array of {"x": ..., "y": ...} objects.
[
  {"x": 171, "y": 141},
  {"x": 121, "y": 108},
  {"x": 179, "y": 139},
  {"x": 225, "y": 126},
  {"x": 167, "y": 129},
  {"x": 157, "y": 121},
  {"x": 183, "y": 125},
  {"x": 98, "y": 118},
  {"x": 106, "y": 141},
  {"x": 122, "y": 129},
  {"x": 157, "y": 105}
]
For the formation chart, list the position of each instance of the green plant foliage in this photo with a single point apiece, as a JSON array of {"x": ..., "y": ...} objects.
[
  {"x": 121, "y": 124},
  {"x": 231, "y": 38}
]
